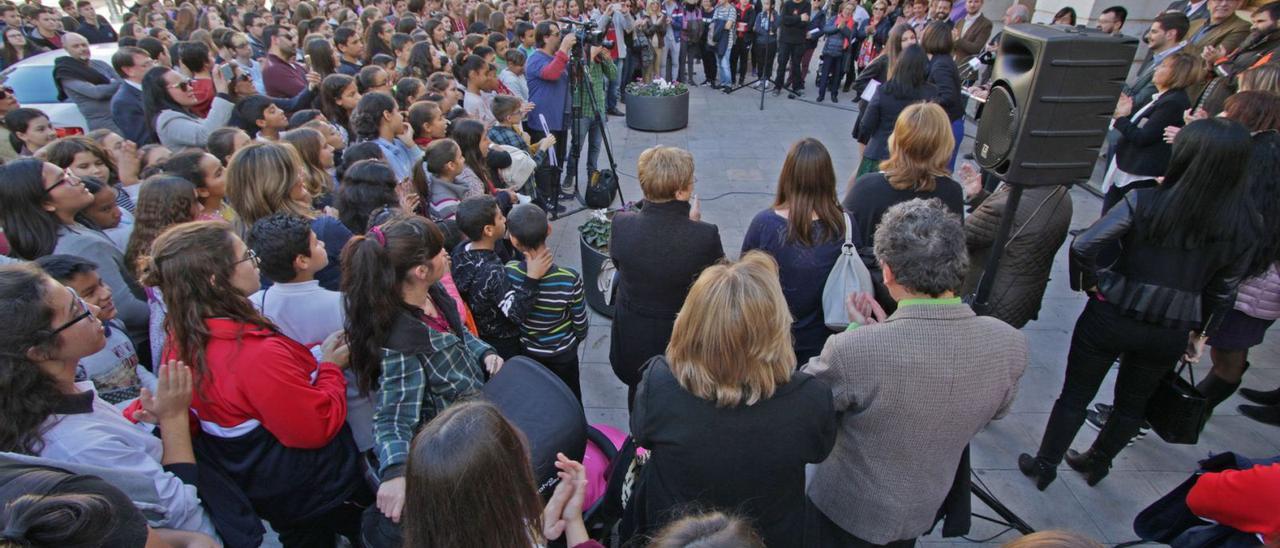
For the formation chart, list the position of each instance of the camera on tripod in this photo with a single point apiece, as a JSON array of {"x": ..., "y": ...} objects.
[{"x": 588, "y": 33}]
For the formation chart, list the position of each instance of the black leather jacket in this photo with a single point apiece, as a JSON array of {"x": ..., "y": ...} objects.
[{"x": 1171, "y": 286}]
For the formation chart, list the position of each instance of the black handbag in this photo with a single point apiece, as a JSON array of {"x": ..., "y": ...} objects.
[
  {"x": 601, "y": 188},
  {"x": 1177, "y": 409}
]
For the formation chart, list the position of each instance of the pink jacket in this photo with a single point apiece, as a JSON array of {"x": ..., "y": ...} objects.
[{"x": 1260, "y": 296}]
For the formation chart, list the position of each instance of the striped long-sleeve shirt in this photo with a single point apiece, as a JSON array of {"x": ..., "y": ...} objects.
[{"x": 558, "y": 319}]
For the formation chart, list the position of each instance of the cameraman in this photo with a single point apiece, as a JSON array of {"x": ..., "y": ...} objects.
[
  {"x": 600, "y": 70},
  {"x": 548, "y": 79}
]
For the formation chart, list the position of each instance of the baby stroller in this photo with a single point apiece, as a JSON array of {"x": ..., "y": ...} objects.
[{"x": 546, "y": 411}]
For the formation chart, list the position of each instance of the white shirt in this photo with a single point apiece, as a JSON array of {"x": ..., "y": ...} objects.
[
  {"x": 115, "y": 371},
  {"x": 308, "y": 313},
  {"x": 101, "y": 436}
]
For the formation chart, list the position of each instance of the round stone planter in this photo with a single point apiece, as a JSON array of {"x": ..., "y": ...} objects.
[
  {"x": 662, "y": 113},
  {"x": 594, "y": 263}
]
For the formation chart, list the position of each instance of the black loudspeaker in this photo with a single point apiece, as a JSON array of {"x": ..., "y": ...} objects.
[{"x": 1052, "y": 94}]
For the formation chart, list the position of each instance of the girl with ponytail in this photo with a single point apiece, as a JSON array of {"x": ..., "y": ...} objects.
[{"x": 409, "y": 346}]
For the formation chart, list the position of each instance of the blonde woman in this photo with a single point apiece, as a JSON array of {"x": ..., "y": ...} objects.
[
  {"x": 264, "y": 178},
  {"x": 659, "y": 251},
  {"x": 919, "y": 150},
  {"x": 729, "y": 422},
  {"x": 317, "y": 162},
  {"x": 655, "y": 29}
]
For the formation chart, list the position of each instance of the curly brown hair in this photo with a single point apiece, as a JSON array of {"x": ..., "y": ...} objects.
[
  {"x": 27, "y": 393},
  {"x": 164, "y": 201}
]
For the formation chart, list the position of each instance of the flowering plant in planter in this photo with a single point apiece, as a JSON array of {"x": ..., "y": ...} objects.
[
  {"x": 599, "y": 226},
  {"x": 657, "y": 88}
]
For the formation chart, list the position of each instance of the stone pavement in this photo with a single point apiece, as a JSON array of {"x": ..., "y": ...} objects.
[{"x": 738, "y": 151}]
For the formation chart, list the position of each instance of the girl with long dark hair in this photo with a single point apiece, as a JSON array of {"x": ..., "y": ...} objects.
[
  {"x": 16, "y": 47},
  {"x": 46, "y": 330},
  {"x": 366, "y": 186},
  {"x": 167, "y": 98},
  {"x": 38, "y": 207},
  {"x": 29, "y": 130},
  {"x": 402, "y": 325},
  {"x": 474, "y": 142},
  {"x": 378, "y": 118},
  {"x": 89, "y": 161},
  {"x": 339, "y": 96},
  {"x": 377, "y": 40},
  {"x": 422, "y": 60},
  {"x": 210, "y": 179},
  {"x": 1177, "y": 273},
  {"x": 301, "y": 471},
  {"x": 908, "y": 84},
  {"x": 803, "y": 230},
  {"x": 321, "y": 57}
]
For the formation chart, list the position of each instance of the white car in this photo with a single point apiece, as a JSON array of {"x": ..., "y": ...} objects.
[{"x": 32, "y": 83}]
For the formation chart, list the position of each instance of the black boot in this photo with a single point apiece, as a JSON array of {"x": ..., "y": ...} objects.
[
  {"x": 1269, "y": 414},
  {"x": 1039, "y": 469},
  {"x": 1062, "y": 428},
  {"x": 1092, "y": 464},
  {"x": 1215, "y": 390},
  {"x": 1262, "y": 397}
]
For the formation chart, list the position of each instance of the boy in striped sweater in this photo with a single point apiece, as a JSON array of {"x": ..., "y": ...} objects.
[{"x": 557, "y": 323}]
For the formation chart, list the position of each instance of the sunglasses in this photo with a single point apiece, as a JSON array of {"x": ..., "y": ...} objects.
[
  {"x": 184, "y": 85},
  {"x": 68, "y": 178},
  {"x": 249, "y": 255},
  {"x": 5, "y": 92},
  {"x": 84, "y": 313}
]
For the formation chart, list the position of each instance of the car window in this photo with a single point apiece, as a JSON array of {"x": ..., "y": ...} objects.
[{"x": 31, "y": 84}]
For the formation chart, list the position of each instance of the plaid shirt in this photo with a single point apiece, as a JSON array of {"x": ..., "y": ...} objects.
[
  {"x": 599, "y": 73},
  {"x": 419, "y": 383},
  {"x": 507, "y": 135}
]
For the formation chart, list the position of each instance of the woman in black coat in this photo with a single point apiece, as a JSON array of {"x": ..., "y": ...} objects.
[
  {"x": 658, "y": 251},
  {"x": 907, "y": 86},
  {"x": 1177, "y": 273},
  {"x": 938, "y": 43},
  {"x": 728, "y": 421},
  {"x": 900, "y": 37},
  {"x": 1141, "y": 152}
]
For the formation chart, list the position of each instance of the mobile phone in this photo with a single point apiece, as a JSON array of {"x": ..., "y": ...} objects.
[
  {"x": 307, "y": 58},
  {"x": 228, "y": 72}
]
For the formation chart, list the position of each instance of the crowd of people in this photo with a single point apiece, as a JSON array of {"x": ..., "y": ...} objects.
[{"x": 297, "y": 240}]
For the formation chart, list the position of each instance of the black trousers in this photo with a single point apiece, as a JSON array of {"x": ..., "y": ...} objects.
[
  {"x": 506, "y": 348},
  {"x": 829, "y": 75},
  {"x": 708, "y": 64},
  {"x": 1102, "y": 334},
  {"x": 790, "y": 54},
  {"x": 740, "y": 58},
  {"x": 565, "y": 366},
  {"x": 763, "y": 55},
  {"x": 321, "y": 531},
  {"x": 821, "y": 532}
]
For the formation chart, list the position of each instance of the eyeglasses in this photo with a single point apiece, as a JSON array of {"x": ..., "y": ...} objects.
[
  {"x": 68, "y": 178},
  {"x": 5, "y": 92},
  {"x": 84, "y": 313},
  {"x": 249, "y": 255},
  {"x": 184, "y": 85}
]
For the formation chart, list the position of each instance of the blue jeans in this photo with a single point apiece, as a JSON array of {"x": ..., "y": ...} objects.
[
  {"x": 594, "y": 131},
  {"x": 611, "y": 90},
  {"x": 723, "y": 73}
]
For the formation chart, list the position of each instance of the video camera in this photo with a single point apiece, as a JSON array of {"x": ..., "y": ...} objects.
[{"x": 588, "y": 33}]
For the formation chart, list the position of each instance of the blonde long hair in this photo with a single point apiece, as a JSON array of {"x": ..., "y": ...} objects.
[
  {"x": 919, "y": 148},
  {"x": 260, "y": 179},
  {"x": 731, "y": 343}
]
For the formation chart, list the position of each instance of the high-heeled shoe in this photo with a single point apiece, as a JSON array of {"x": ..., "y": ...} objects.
[
  {"x": 1038, "y": 469},
  {"x": 1093, "y": 466}
]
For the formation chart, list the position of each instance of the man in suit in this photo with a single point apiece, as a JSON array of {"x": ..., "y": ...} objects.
[
  {"x": 911, "y": 389},
  {"x": 971, "y": 32},
  {"x": 1168, "y": 34},
  {"x": 1194, "y": 10},
  {"x": 1223, "y": 28},
  {"x": 126, "y": 105}
]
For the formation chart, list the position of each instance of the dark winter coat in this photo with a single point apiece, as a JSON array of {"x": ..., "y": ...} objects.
[{"x": 1038, "y": 230}]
